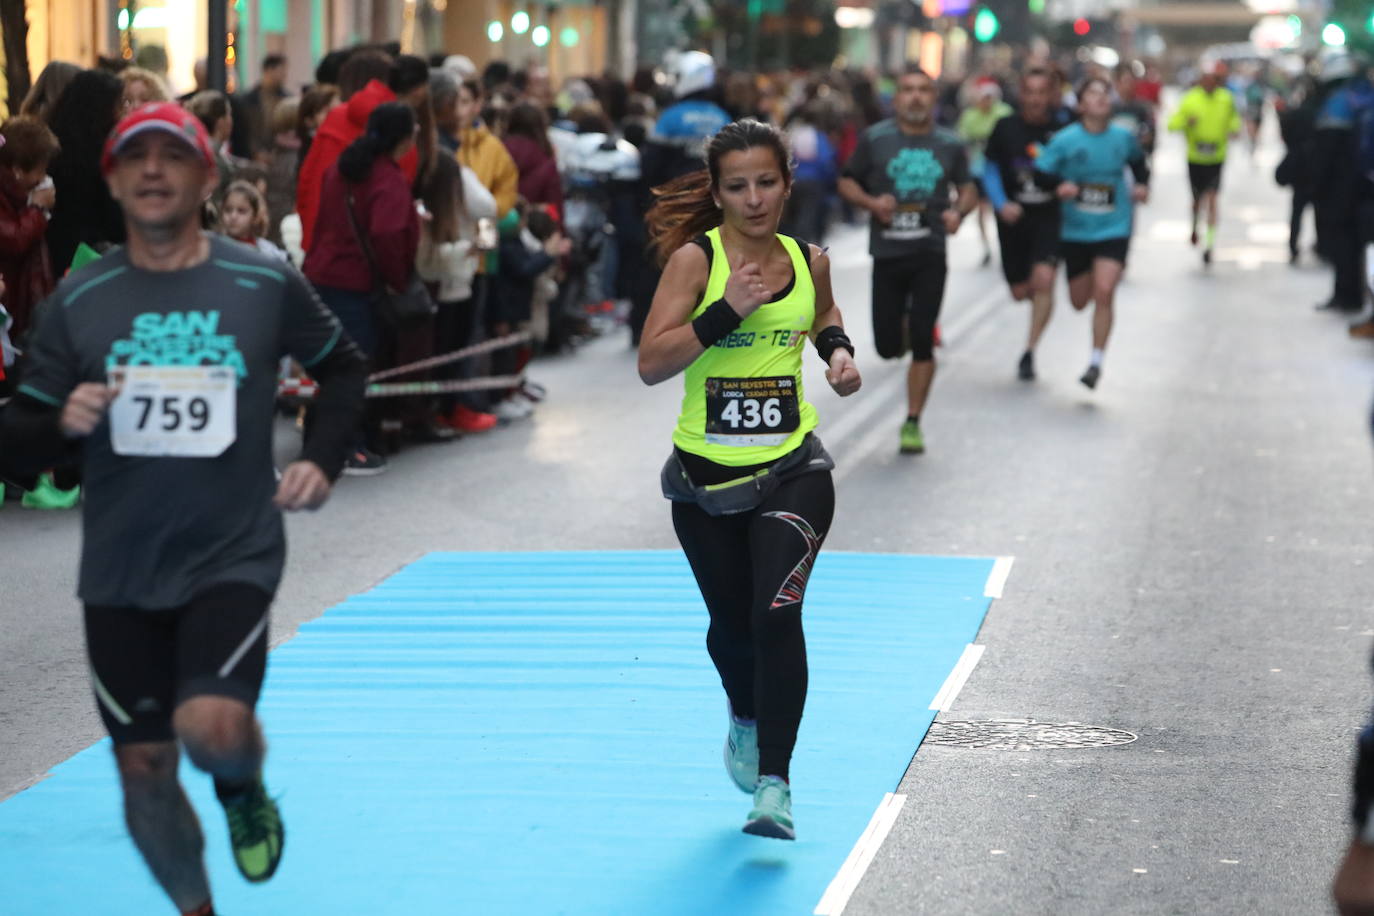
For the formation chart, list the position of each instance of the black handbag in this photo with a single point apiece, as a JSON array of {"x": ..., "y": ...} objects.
[{"x": 411, "y": 306}]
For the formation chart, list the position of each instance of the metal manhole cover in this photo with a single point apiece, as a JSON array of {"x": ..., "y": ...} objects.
[{"x": 1023, "y": 735}]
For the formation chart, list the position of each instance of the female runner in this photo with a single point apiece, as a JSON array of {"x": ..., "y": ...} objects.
[{"x": 750, "y": 481}]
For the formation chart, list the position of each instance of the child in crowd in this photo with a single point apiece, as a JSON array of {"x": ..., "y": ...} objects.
[
  {"x": 542, "y": 233},
  {"x": 455, "y": 199},
  {"x": 523, "y": 259},
  {"x": 243, "y": 217}
]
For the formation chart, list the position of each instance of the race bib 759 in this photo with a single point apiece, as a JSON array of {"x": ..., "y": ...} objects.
[{"x": 174, "y": 411}]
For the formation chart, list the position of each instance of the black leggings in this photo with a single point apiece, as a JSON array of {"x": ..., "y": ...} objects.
[{"x": 752, "y": 569}]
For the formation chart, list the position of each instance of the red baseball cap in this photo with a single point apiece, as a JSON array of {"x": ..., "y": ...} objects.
[{"x": 164, "y": 116}]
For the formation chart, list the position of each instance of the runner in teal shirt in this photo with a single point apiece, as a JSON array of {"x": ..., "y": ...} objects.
[
  {"x": 1086, "y": 165},
  {"x": 1096, "y": 162}
]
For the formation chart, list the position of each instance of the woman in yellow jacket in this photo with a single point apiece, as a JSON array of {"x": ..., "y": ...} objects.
[{"x": 480, "y": 150}]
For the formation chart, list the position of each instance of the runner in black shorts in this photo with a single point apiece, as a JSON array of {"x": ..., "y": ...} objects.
[
  {"x": 1027, "y": 214},
  {"x": 1204, "y": 178},
  {"x": 160, "y": 361},
  {"x": 1086, "y": 164},
  {"x": 905, "y": 172}
]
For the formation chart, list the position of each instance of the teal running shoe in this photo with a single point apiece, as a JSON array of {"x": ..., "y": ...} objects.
[
  {"x": 772, "y": 814},
  {"x": 256, "y": 832},
  {"x": 912, "y": 441},
  {"x": 742, "y": 754}
]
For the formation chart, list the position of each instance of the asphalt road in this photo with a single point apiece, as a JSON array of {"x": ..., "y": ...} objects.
[{"x": 1191, "y": 566}]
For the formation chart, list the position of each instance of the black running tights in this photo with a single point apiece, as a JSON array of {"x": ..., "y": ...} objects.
[{"x": 752, "y": 569}]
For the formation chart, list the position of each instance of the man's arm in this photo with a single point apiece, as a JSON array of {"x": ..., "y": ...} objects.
[
  {"x": 314, "y": 337},
  {"x": 31, "y": 438},
  {"x": 31, "y": 434}
]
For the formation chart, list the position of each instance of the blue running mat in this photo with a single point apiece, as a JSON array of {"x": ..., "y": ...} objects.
[{"x": 533, "y": 733}]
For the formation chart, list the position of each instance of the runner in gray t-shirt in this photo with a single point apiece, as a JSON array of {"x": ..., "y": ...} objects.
[
  {"x": 156, "y": 366},
  {"x": 914, "y": 179}
]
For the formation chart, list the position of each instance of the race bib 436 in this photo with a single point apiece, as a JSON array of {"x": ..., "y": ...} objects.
[{"x": 751, "y": 411}]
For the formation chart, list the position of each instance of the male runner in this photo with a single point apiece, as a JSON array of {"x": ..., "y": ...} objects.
[
  {"x": 1132, "y": 111},
  {"x": 158, "y": 362},
  {"x": 1086, "y": 164},
  {"x": 1208, "y": 118},
  {"x": 904, "y": 171},
  {"x": 1027, "y": 214}
]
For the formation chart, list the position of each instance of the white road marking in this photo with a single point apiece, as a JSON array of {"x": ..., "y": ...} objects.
[
  {"x": 846, "y": 880},
  {"x": 1271, "y": 232},
  {"x": 958, "y": 677},
  {"x": 997, "y": 579},
  {"x": 878, "y": 398},
  {"x": 1169, "y": 230}
]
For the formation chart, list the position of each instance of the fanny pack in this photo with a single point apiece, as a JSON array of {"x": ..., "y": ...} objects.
[{"x": 743, "y": 494}]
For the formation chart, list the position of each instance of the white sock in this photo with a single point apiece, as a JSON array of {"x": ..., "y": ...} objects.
[{"x": 1096, "y": 360}]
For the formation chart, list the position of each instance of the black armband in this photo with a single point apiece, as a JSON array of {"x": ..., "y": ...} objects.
[
  {"x": 831, "y": 339},
  {"x": 718, "y": 320}
]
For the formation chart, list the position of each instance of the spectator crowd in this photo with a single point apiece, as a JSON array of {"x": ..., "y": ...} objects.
[{"x": 509, "y": 208}]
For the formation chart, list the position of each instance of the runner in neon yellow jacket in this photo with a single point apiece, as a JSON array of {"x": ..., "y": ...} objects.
[{"x": 1208, "y": 118}]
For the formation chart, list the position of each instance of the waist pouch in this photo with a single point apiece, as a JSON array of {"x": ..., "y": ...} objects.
[{"x": 744, "y": 494}]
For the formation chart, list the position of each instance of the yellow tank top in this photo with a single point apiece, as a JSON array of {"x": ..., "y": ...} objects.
[{"x": 743, "y": 401}]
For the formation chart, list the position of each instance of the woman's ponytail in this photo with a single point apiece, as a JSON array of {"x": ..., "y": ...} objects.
[
  {"x": 683, "y": 209},
  {"x": 388, "y": 126}
]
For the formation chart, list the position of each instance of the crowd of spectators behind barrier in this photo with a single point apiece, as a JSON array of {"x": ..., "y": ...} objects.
[{"x": 517, "y": 202}]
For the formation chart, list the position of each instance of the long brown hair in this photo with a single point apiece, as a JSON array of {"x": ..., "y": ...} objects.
[
  {"x": 442, "y": 194},
  {"x": 684, "y": 208}
]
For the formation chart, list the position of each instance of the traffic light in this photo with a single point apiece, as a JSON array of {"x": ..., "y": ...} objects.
[
  {"x": 1333, "y": 35},
  {"x": 1082, "y": 27},
  {"x": 1036, "y": 7},
  {"x": 1369, "y": 24},
  {"x": 985, "y": 25}
]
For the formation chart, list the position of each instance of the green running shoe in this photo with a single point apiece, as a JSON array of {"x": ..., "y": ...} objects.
[
  {"x": 46, "y": 495},
  {"x": 772, "y": 814},
  {"x": 255, "y": 832},
  {"x": 742, "y": 754},
  {"x": 912, "y": 441}
]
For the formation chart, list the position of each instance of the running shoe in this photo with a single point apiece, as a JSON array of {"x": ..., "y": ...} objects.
[
  {"x": 431, "y": 431},
  {"x": 1207, "y": 256},
  {"x": 1025, "y": 370},
  {"x": 1091, "y": 376},
  {"x": 742, "y": 754},
  {"x": 467, "y": 420},
  {"x": 1192, "y": 240},
  {"x": 1364, "y": 330},
  {"x": 363, "y": 463},
  {"x": 47, "y": 495},
  {"x": 513, "y": 408},
  {"x": 255, "y": 832},
  {"x": 912, "y": 441},
  {"x": 772, "y": 814}
]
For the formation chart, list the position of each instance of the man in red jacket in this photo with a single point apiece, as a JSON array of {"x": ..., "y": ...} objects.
[{"x": 408, "y": 82}]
